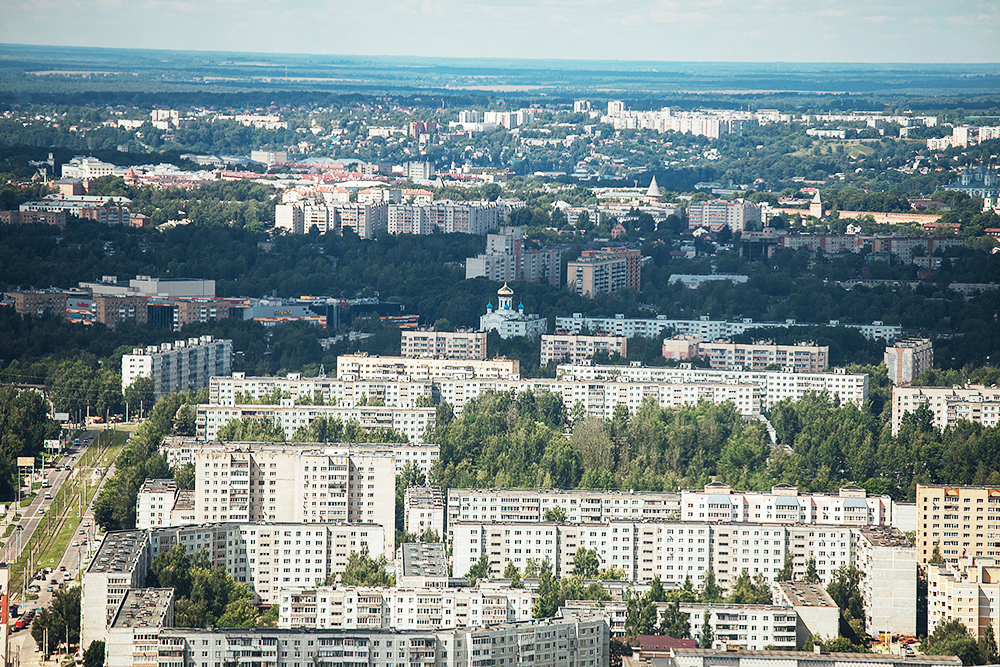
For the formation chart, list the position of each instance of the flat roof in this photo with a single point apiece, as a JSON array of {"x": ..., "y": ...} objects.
[
  {"x": 806, "y": 656},
  {"x": 158, "y": 486},
  {"x": 886, "y": 536},
  {"x": 119, "y": 551},
  {"x": 144, "y": 608},
  {"x": 802, "y": 594},
  {"x": 424, "y": 559}
]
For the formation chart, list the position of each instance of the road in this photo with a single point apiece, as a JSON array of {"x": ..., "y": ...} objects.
[{"x": 22, "y": 644}]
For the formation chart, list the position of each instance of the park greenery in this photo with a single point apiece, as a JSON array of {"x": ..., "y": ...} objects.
[
  {"x": 24, "y": 426},
  {"x": 59, "y": 622},
  {"x": 140, "y": 459},
  {"x": 206, "y": 596},
  {"x": 531, "y": 440}
]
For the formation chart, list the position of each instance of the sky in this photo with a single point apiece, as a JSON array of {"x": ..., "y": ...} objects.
[{"x": 898, "y": 31}]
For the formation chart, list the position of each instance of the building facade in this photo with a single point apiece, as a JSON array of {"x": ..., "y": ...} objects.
[
  {"x": 716, "y": 215},
  {"x": 889, "y": 586},
  {"x": 960, "y": 521},
  {"x": 289, "y": 484},
  {"x": 948, "y": 405},
  {"x": 411, "y": 422},
  {"x": 604, "y": 270},
  {"x": 706, "y": 328},
  {"x": 154, "y": 503},
  {"x": 444, "y": 344},
  {"x": 181, "y": 366},
  {"x": 907, "y": 359},
  {"x": 578, "y": 348},
  {"x": 798, "y": 358}
]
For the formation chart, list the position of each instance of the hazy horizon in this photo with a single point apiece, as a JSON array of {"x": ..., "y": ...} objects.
[{"x": 878, "y": 32}]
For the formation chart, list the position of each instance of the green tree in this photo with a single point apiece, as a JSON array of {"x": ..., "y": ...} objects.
[
  {"x": 953, "y": 638},
  {"x": 94, "y": 655},
  {"x": 61, "y": 619},
  {"x": 749, "y": 591},
  {"x": 707, "y": 636},
  {"x": 184, "y": 420},
  {"x": 787, "y": 570},
  {"x": 480, "y": 570},
  {"x": 586, "y": 563},
  {"x": 363, "y": 570},
  {"x": 845, "y": 589},
  {"x": 674, "y": 622},
  {"x": 812, "y": 573},
  {"x": 710, "y": 590},
  {"x": 555, "y": 514},
  {"x": 184, "y": 477},
  {"x": 240, "y": 613},
  {"x": 172, "y": 569}
]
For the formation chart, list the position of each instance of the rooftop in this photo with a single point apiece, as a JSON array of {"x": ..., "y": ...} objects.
[
  {"x": 885, "y": 536},
  {"x": 119, "y": 551},
  {"x": 853, "y": 658},
  {"x": 801, "y": 594},
  {"x": 424, "y": 559},
  {"x": 144, "y": 608},
  {"x": 158, "y": 486}
]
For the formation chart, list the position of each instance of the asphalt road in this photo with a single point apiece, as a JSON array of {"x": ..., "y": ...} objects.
[{"x": 21, "y": 643}]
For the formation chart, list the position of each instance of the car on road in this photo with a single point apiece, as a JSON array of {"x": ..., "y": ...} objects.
[
  {"x": 34, "y": 588},
  {"x": 67, "y": 576},
  {"x": 62, "y": 568},
  {"x": 41, "y": 511},
  {"x": 48, "y": 589}
]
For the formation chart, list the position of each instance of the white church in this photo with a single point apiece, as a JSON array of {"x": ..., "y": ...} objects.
[{"x": 511, "y": 322}]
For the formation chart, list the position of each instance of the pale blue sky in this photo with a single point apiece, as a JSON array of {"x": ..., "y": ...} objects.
[{"x": 945, "y": 31}]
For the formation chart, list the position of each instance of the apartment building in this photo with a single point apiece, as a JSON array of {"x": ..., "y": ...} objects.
[
  {"x": 154, "y": 503},
  {"x": 762, "y": 549},
  {"x": 598, "y": 398},
  {"x": 402, "y": 608},
  {"x": 907, "y": 359},
  {"x": 40, "y": 302},
  {"x": 113, "y": 309},
  {"x": 776, "y": 385},
  {"x": 54, "y": 218},
  {"x": 696, "y": 657},
  {"x": 133, "y": 636},
  {"x": 106, "y": 210},
  {"x": 851, "y": 506},
  {"x": 277, "y": 483},
  {"x": 578, "y": 348},
  {"x": 424, "y": 508},
  {"x": 345, "y": 393},
  {"x": 181, "y": 366},
  {"x": 120, "y": 564},
  {"x": 575, "y": 640},
  {"x": 577, "y": 505},
  {"x": 715, "y": 215},
  {"x": 604, "y": 270},
  {"x": 798, "y": 358},
  {"x": 411, "y": 422},
  {"x": 734, "y": 626},
  {"x": 966, "y": 590},
  {"x": 506, "y": 259},
  {"x": 948, "y": 405},
  {"x": 670, "y": 550},
  {"x": 889, "y": 586},
  {"x": 361, "y": 365},
  {"x": 461, "y": 344},
  {"x": 961, "y": 521},
  {"x": 706, "y": 328},
  {"x": 476, "y": 217},
  {"x": 270, "y": 556},
  {"x": 813, "y": 605},
  {"x": 180, "y": 450},
  {"x": 174, "y": 314}
]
